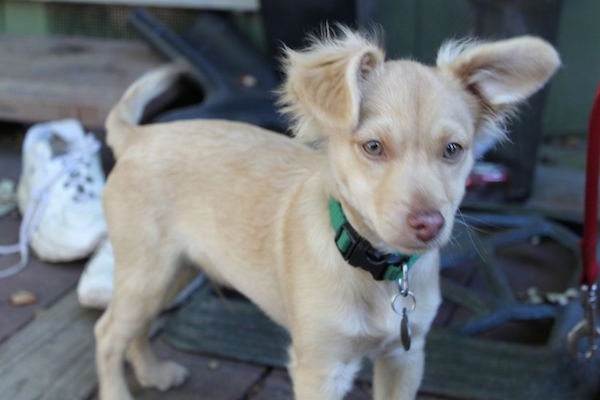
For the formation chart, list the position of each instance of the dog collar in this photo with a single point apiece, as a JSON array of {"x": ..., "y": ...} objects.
[{"x": 359, "y": 253}]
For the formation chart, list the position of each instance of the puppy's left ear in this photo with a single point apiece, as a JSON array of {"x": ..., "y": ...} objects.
[
  {"x": 500, "y": 75},
  {"x": 324, "y": 83}
]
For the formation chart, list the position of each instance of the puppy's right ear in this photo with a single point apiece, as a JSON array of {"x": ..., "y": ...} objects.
[{"x": 324, "y": 83}]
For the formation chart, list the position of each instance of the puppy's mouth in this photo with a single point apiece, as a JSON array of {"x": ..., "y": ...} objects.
[{"x": 416, "y": 248}]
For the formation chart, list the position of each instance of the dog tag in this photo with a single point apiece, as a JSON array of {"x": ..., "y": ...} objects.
[{"x": 405, "y": 330}]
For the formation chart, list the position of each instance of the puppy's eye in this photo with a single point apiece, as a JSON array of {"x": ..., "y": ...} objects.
[
  {"x": 373, "y": 148},
  {"x": 452, "y": 151}
]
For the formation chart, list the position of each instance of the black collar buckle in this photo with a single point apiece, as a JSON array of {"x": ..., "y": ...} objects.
[{"x": 360, "y": 253}]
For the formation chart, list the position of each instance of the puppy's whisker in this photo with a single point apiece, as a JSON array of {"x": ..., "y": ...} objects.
[{"x": 471, "y": 232}]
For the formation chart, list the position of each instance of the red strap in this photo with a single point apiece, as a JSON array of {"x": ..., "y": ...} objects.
[{"x": 589, "y": 273}]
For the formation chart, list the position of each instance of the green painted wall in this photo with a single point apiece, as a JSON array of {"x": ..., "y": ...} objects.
[
  {"x": 416, "y": 28},
  {"x": 572, "y": 91},
  {"x": 24, "y": 17}
]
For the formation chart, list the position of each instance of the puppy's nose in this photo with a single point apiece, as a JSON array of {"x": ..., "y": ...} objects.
[{"x": 426, "y": 223}]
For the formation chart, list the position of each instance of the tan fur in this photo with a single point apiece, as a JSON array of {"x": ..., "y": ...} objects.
[{"x": 250, "y": 206}]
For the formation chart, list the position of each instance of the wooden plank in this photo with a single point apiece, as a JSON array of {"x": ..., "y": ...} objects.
[
  {"x": 237, "y": 5},
  {"x": 53, "y": 78},
  {"x": 48, "y": 282},
  {"x": 52, "y": 358}
]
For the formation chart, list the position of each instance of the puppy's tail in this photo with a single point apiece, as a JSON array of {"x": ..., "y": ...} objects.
[{"x": 129, "y": 110}]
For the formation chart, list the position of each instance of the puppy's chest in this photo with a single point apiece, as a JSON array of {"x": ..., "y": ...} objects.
[
  {"x": 375, "y": 319},
  {"x": 376, "y": 326}
]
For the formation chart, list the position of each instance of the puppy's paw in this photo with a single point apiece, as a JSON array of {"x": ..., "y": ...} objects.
[{"x": 163, "y": 376}]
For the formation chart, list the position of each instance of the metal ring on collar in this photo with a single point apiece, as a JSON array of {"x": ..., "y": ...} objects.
[{"x": 398, "y": 302}]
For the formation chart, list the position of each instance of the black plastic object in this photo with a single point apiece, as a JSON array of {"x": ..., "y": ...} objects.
[
  {"x": 237, "y": 83},
  {"x": 496, "y": 19}
]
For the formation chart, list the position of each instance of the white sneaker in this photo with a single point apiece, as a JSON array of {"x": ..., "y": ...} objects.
[
  {"x": 59, "y": 194},
  {"x": 95, "y": 287}
]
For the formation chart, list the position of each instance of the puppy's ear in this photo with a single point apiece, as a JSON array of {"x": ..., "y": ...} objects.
[
  {"x": 324, "y": 83},
  {"x": 500, "y": 75}
]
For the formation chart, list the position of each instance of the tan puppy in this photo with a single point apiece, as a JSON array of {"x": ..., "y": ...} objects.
[{"x": 393, "y": 142}]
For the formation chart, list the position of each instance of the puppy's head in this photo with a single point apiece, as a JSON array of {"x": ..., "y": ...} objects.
[{"x": 401, "y": 137}]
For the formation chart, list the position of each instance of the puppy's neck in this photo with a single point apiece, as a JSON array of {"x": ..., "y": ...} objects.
[{"x": 357, "y": 221}]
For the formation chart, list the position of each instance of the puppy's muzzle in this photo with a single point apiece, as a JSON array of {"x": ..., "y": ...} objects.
[{"x": 426, "y": 224}]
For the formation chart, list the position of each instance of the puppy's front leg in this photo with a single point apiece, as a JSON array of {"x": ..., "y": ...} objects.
[
  {"x": 316, "y": 376},
  {"x": 397, "y": 376}
]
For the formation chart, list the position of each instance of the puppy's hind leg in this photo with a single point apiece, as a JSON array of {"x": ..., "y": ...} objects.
[
  {"x": 149, "y": 371},
  {"x": 140, "y": 289},
  {"x": 110, "y": 352}
]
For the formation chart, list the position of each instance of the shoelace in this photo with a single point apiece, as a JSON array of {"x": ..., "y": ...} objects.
[{"x": 73, "y": 164}]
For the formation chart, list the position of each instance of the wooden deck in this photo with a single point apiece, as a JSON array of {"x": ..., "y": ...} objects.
[
  {"x": 52, "y": 359},
  {"x": 43, "y": 79}
]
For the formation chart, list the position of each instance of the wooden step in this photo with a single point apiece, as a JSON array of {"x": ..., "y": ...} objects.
[{"x": 43, "y": 79}]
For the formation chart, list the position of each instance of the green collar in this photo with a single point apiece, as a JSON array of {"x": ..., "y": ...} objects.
[{"x": 358, "y": 252}]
